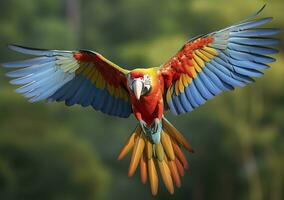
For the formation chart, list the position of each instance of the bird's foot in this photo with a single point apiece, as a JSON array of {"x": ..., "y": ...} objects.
[
  {"x": 155, "y": 124},
  {"x": 143, "y": 125}
]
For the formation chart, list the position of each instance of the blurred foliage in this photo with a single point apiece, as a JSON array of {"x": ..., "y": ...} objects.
[{"x": 55, "y": 152}]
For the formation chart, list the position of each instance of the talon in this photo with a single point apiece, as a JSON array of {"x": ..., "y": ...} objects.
[
  {"x": 143, "y": 125},
  {"x": 156, "y": 124}
]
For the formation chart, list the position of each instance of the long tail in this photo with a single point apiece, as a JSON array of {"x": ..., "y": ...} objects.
[{"x": 166, "y": 154}]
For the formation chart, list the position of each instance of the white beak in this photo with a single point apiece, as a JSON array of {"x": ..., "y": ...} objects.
[{"x": 137, "y": 86}]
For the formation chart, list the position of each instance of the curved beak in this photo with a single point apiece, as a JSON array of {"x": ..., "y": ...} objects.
[{"x": 137, "y": 86}]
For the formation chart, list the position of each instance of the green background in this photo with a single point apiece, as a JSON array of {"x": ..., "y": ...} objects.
[{"x": 54, "y": 152}]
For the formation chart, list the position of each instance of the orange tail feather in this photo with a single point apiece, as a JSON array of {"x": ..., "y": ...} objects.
[{"x": 167, "y": 155}]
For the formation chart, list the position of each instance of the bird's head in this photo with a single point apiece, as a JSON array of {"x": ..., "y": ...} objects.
[{"x": 139, "y": 83}]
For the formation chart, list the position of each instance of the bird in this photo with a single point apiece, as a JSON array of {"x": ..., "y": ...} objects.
[{"x": 204, "y": 67}]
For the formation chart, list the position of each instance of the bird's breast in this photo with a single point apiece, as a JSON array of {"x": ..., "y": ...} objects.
[{"x": 147, "y": 104}]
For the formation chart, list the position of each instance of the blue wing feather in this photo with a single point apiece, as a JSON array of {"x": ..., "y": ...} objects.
[
  {"x": 190, "y": 98},
  {"x": 242, "y": 51},
  {"x": 52, "y": 75},
  {"x": 178, "y": 105},
  {"x": 185, "y": 103},
  {"x": 252, "y": 49},
  {"x": 202, "y": 88},
  {"x": 255, "y": 32},
  {"x": 89, "y": 95},
  {"x": 29, "y": 62}
]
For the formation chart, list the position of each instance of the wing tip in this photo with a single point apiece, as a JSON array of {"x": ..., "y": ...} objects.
[
  {"x": 18, "y": 48},
  {"x": 261, "y": 9},
  {"x": 6, "y": 65},
  {"x": 10, "y": 46},
  {"x": 14, "y": 47}
]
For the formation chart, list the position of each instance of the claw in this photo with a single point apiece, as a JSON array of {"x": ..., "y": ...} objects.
[
  {"x": 143, "y": 125},
  {"x": 156, "y": 124}
]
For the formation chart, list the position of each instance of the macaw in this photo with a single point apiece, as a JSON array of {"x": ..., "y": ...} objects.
[{"x": 204, "y": 67}]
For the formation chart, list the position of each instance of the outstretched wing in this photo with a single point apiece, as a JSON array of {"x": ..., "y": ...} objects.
[
  {"x": 76, "y": 77},
  {"x": 216, "y": 62}
]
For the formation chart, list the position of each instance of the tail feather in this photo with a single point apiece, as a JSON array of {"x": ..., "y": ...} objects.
[
  {"x": 159, "y": 151},
  {"x": 167, "y": 155},
  {"x": 130, "y": 143},
  {"x": 143, "y": 168},
  {"x": 136, "y": 154},
  {"x": 174, "y": 173},
  {"x": 166, "y": 175},
  {"x": 177, "y": 135},
  {"x": 149, "y": 149},
  {"x": 167, "y": 144},
  {"x": 180, "y": 154},
  {"x": 179, "y": 167},
  {"x": 153, "y": 176}
]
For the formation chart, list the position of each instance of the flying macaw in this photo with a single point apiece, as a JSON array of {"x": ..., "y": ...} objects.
[{"x": 204, "y": 67}]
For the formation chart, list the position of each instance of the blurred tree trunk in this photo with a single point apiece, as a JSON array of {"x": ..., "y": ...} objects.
[
  {"x": 250, "y": 165},
  {"x": 244, "y": 115},
  {"x": 246, "y": 130},
  {"x": 74, "y": 18},
  {"x": 198, "y": 193},
  {"x": 275, "y": 186},
  {"x": 241, "y": 117}
]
